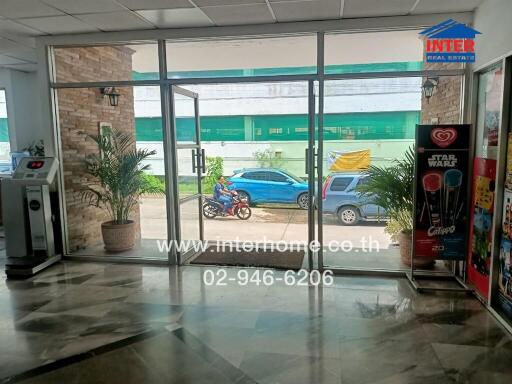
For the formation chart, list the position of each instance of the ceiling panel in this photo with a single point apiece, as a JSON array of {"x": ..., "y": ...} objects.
[
  {"x": 306, "y": 10},
  {"x": 23, "y": 67},
  {"x": 10, "y": 60},
  {"x": 8, "y": 45},
  {"x": 25, "y": 54},
  {"x": 440, "y": 6},
  {"x": 115, "y": 21},
  {"x": 209, "y": 3},
  {"x": 85, "y": 6},
  {"x": 177, "y": 18},
  {"x": 58, "y": 24},
  {"x": 156, "y": 4},
  {"x": 23, "y": 41},
  {"x": 371, "y": 8},
  {"x": 239, "y": 14},
  {"x": 16, "y": 29},
  {"x": 26, "y": 8}
]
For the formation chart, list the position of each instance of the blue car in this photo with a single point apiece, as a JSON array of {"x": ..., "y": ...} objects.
[
  {"x": 270, "y": 185},
  {"x": 341, "y": 199}
]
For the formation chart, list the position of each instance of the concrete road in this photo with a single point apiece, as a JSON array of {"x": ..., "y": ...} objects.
[{"x": 267, "y": 223}]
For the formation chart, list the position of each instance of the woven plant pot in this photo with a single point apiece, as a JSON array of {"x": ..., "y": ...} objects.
[
  {"x": 118, "y": 237},
  {"x": 405, "y": 241}
]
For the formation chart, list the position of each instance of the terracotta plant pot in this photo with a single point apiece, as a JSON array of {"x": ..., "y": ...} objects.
[
  {"x": 118, "y": 237},
  {"x": 405, "y": 241}
]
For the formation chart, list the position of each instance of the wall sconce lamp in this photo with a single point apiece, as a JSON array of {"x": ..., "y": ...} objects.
[
  {"x": 113, "y": 95},
  {"x": 429, "y": 87}
]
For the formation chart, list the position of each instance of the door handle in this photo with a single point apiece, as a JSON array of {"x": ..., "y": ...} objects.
[
  {"x": 194, "y": 164},
  {"x": 308, "y": 163},
  {"x": 203, "y": 161}
]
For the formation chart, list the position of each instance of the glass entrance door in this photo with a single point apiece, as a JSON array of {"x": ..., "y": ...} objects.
[
  {"x": 261, "y": 138},
  {"x": 188, "y": 169}
]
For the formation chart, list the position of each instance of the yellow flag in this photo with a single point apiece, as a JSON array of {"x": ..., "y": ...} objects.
[{"x": 348, "y": 161}]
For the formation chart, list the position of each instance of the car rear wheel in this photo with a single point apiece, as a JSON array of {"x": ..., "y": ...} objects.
[
  {"x": 303, "y": 201},
  {"x": 348, "y": 216}
]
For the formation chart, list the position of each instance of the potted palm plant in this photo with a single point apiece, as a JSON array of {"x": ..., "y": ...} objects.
[
  {"x": 392, "y": 188},
  {"x": 117, "y": 182}
]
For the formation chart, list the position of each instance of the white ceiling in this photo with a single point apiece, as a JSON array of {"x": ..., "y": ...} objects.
[{"x": 22, "y": 20}]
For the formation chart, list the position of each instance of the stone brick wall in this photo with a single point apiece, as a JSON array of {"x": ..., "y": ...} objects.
[
  {"x": 102, "y": 63},
  {"x": 445, "y": 104},
  {"x": 80, "y": 111}
]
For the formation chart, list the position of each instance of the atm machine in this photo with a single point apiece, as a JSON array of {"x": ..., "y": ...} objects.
[{"x": 29, "y": 218}]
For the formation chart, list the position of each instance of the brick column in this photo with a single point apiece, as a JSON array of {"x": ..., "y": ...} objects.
[
  {"x": 445, "y": 104},
  {"x": 80, "y": 111}
]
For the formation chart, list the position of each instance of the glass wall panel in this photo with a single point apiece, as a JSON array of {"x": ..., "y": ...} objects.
[
  {"x": 5, "y": 147},
  {"x": 490, "y": 92},
  {"x": 185, "y": 119},
  {"x": 483, "y": 214},
  {"x": 393, "y": 51},
  {"x": 501, "y": 294},
  {"x": 106, "y": 63},
  {"x": 373, "y": 52},
  {"x": 264, "y": 56},
  {"x": 371, "y": 122},
  {"x": 85, "y": 114}
]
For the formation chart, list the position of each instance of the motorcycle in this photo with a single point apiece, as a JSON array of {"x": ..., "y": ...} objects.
[{"x": 212, "y": 208}]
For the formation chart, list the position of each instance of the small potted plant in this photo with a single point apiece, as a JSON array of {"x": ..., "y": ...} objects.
[
  {"x": 117, "y": 182},
  {"x": 392, "y": 188}
]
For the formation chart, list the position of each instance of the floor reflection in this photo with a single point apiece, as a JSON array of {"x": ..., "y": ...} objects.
[{"x": 135, "y": 323}]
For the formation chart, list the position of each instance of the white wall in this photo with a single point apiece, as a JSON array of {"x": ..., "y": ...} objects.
[
  {"x": 359, "y": 95},
  {"x": 240, "y": 154},
  {"x": 493, "y": 18},
  {"x": 23, "y": 108}
]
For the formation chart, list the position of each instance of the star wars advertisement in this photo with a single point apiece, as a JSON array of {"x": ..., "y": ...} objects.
[
  {"x": 442, "y": 157},
  {"x": 479, "y": 263}
]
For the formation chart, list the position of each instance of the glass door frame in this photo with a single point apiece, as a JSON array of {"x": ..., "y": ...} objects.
[
  {"x": 179, "y": 258},
  {"x": 198, "y": 166}
]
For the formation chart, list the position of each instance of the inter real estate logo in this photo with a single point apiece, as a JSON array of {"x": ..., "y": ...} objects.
[{"x": 449, "y": 42}]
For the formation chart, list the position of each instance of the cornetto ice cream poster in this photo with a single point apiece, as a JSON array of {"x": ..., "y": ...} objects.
[{"x": 441, "y": 206}]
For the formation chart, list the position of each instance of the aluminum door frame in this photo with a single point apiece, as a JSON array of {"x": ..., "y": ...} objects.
[{"x": 198, "y": 166}]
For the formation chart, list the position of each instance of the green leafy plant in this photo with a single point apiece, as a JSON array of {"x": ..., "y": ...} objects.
[
  {"x": 118, "y": 178},
  {"x": 214, "y": 170},
  {"x": 393, "y": 188},
  {"x": 154, "y": 183},
  {"x": 400, "y": 221},
  {"x": 267, "y": 158}
]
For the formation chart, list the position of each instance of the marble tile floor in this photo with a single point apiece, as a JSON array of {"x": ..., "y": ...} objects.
[{"x": 121, "y": 323}]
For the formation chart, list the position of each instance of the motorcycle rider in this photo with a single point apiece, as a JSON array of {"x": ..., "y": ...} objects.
[{"x": 222, "y": 195}]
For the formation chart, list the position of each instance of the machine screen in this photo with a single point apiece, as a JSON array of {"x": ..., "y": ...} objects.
[{"x": 36, "y": 164}]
